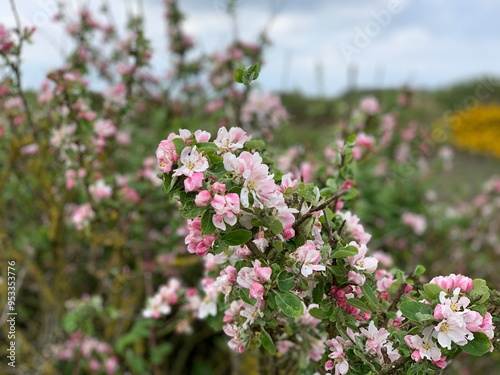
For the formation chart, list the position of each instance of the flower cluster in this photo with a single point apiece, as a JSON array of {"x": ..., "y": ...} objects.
[
  {"x": 279, "y": 253},
  {"x": 97, "y": 356}
]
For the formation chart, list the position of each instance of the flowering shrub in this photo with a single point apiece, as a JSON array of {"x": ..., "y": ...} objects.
[
  {"x": 287, "y": 271},
  {"x": 477, "y": 128},
  {"x": 279, "y": 256}
]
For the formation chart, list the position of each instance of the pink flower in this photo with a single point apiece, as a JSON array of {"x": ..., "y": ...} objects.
[
  {"x": 214, "y": 106},
  {"x": 453, "y": 281},
  {"x": 337, "y": 354},
  {"x": 425, "y": 347},
  {"x": 191, "y": 162},
  {"x": 369, "y": 105},
  {"x": 473, "y": 321},
  {"x": 257, "y": 290},
  {"x": 166, "y": 154},
  {"x": 226, "y": 207},
  {"x": 355, "y": 228},
  {"x": 202, "y": 198},
  {"x": 111, "y": 365},
  {"x": 100, "y": 190},
  {"x": 82, "y": 216},
  {"x": 309, "y": 258},
  {"x": 104, "y": 128},
  {"x": 30, "y": 149},
  {"x": 417, "y": 222},
  {"x": 202, "y": 136},
  {"x": 197, "y": 243},
  {"x": 232, "y": 140},
  {"x": 257, "y": 181},
  {"x": 156, "y": 307},
  {"x": 453, "y": 329},
  {"x": 194, "y": 182},
  {"x": 356, "y": 278},
  {"x": 360, "y": 261}
]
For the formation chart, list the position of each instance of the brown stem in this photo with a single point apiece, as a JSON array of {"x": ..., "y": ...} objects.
[{"x": 320, "y": 207}]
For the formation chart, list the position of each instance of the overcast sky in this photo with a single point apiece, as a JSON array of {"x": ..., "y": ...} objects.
[{"x": 424, "y": 43}]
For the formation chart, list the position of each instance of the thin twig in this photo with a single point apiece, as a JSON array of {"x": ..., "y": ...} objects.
[{"x": 320, "y": 207}]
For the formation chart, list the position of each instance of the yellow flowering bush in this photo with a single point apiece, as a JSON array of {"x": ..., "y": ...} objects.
[{"x": 477, "y": 129}]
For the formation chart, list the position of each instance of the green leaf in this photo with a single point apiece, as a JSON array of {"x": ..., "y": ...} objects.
[
  {"x": 350, "y": 140},
  {"x": 318, "y": 313},
  {"x": 207, "y": 147},
  {"x": 480, "y": 292},
  {"x": 267, "y": 342},
  {"x": 370, "y": 295},
  {"x": 290, "y": 304},
  {"x": 345, "y": 252},
  {"x": 250, "y": 74},
  {"x": 419, "y": 271},
  {"x": 167, "y": 182},
  {"x": 359, "y": 304},
  {"x": 245, "y": 296},
  {"x": 207, "y": 224},
  {"x": 308, "y": 191},
  {"x": 432, "y": 290},
  {"x": 275, "y": 225},
  {"x": 318, "y": 292},
  {"x": 278, "y": 245},
  {"x": 423, "y": 317},
  {"x": 411, "y": 308},
  {"x": 191, "y": 211},
  {"x": 479, "y": 346},
  {"x": 286, "y": 281},
  {"x": 237, "y": 237},
  {"x": 255, "y": 144},
  {"x": 353, "y": 193},
  {"x": 238, "y": 75},
  {"x": 179, "y": 145}
]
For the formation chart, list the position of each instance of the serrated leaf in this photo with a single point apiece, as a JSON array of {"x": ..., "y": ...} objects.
[
  {"x": 237, "y": 237},
  {"x": 318, "y": 292},
  {"x": 370, "y": 295},
  {"x": 432, "y": 290},
  {"x": 479, "y": 346},
  {"x": 286, "y": 281},
  {"x": 317, "y": 313},
  {"x": 167, "y": 182},
  {"x": 179, "y": 145},
  {"x": 290, "y": 304},
  {"x": 411, "y": 308},
  {"x": 275, "y": 225},
  {"x": 255, "y": 144},
  {"x": 245, "y": 296},
  {"x": 207, "y": 224},
  {"x": 419, "y": 271},
  {"x": 267, "y": 342},
  {"x": 278, "y": 245},
  {"x": 480, "y": 292},
  {"x": 345, "y": 252},
  {"x": 191, "y": 211},
  {"x": 359, "y": 304},
  {"x": 423, "y": 317}
]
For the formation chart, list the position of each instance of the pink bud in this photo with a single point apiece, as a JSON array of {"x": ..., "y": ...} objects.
[
  {"x": 203, "y": 198},
  {"x": 257, "y": 290}
]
